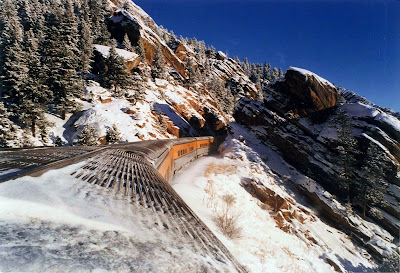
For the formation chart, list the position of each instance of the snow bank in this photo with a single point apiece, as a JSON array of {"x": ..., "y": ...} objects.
[{"x": 103, "y": 116}]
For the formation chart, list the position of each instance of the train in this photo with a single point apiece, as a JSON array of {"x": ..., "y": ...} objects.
[{"x": 168, "y": 156}]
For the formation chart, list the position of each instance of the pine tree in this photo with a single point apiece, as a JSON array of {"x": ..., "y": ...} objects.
[
  {"x": 275, "y": 73},
  {"x": 201, "y": 52},
  {"x": 61, "y": 59},
  {"x": 13, "y": 68},
  {"x": 280, "y": 73},
  {"x": 138, "y": 87},
  {"x": 159, "y": 67},
  {"x": 116, "y": 74},
  {"x": 172, "y": 40},
  {"x": 373, "y": 187},
  {"x": 113, "y": 135},
  {"x": 85, "y": 41},
  {"x": 222, "y": 95},
  {"x": 347, "y": 149},
  {"x": 58, "y": 141},
  {"x": 70, "y": 32},
  {"x": 126, "y": 43},
  {"x": 389, "y": 264},
  {"x": 139, "y": 49},
  {"x": 88, "y": 136},
  {"x": 267, "y": 71},
  {"x": 7, "y": 130},
  {"x": 246, "y": 66},
  {"x": 211, "y": 53},
  {"x": 99, "y": 27},
  {"x": 34, "y": 95},
  {"x": 35, "y": 14},
  {"x": 192, "y": 71}
]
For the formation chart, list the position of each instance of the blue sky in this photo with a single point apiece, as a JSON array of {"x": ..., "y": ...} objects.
[{"x": 353, "y": 43}]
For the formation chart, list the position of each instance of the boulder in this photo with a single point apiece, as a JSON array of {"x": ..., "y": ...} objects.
[
  {"x": 105, "y": 99},
  {"x": 303, "y": 93},
  {"x": 221, "y": 56}
]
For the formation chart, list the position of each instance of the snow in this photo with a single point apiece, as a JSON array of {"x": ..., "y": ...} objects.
[
  {"x": 390, "y": 120},
  {"x": 161, "y": 83},
  {"x": 103, "y": 116},
  {"x": 222, "y": 54},
  {"x": 59, "y": 127},
  {"x": 309, "y": 73},
  {"x": 58, "y": 223},
  {"x": 361, "y": 110},
  {"x": 93, "y": 91},
  {"x": 379, "y": 144},
  {"x": 262, "y": 246},
  {"x": 105, "y": 51},
  {"x": 133, "y": 127}
]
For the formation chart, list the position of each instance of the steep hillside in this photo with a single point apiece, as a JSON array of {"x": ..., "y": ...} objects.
[
  {"x": 172, "y": 88},
  {"x": 346, "y": 152}
]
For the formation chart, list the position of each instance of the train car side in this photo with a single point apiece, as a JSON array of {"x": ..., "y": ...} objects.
[{"x": 182, "y": 153}]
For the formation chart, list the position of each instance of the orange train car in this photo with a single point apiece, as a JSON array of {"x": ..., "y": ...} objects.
[{"x": 182, "y": 153}]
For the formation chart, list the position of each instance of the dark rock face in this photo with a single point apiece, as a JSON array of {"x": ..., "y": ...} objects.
[
  {"x": 303, "y": 94},
  {"x": 121, "y": 23}
]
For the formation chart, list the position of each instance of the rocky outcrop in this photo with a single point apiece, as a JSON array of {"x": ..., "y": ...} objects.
[
  {"x": 285, "y": 208},
  {"x": 138, "y": 26},
  {"x": 122, "y": 22},
  {"x": 302, "y": 92},
  {"x": 231, "y": 72},
  {"x": 290, "y": 121},
  {"x": 182, "y": 51}
]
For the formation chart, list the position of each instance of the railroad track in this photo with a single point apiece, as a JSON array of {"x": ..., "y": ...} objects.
[{"x": 129, "y": 170}]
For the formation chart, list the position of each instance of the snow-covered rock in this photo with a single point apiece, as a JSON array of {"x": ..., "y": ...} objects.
[
  {"x": 131, "y": 59},
  {"x": 301, "y": 92}
]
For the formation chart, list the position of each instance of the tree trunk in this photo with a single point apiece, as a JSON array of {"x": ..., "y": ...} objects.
[
  {"x": 33, "y": 127},
  {"x": 364, "y": 208},
  {"x": 348, "y": 191},
  {"x": 63, "y": 111}
]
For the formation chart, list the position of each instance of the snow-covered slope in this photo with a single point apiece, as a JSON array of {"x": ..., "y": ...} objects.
[
  {"x": 58, "y": 223},
  {"x": 263, "y": 244}
]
